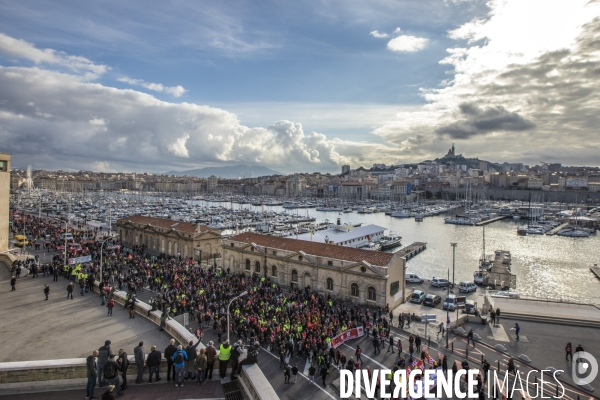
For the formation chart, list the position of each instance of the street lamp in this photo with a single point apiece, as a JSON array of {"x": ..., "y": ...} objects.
[
  {"x": 447, "y": 311},
  {"x": 241, "y": 295},
  {"x": 453, "y": 264},
  {"x": 102, "y": 245}
]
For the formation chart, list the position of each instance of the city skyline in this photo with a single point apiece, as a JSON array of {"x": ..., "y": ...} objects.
[{"x": 169, "y": 86}]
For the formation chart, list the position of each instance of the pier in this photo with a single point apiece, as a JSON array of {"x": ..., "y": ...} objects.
[
  {"x": 595, "y": 270},
  {"x": 554, "y": 231},
  {"x": 489, "y": 221},
  {"x": 413, "y": 249}
]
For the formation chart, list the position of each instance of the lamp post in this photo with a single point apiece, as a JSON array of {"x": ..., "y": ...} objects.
[
  {"x": 102, "y": 245},
  {"x": 453, "y": 265},
  {"x": 241, "y": 295},
  {"x": 447, "y": 311}
]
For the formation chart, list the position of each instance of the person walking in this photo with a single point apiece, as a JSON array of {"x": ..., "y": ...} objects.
[
  {"x": 511, "y": 366},
  {"x": 139, "y": 357},
  {"x": 55, "y": 275},
  {"x": 569, "y": 351},
  {"x": 91, "y": 374},
  {"x": 111, "y": 374},
  {"x": 104, "y": 353},
  {"x": 493, "y": 316},
  {"x": 110, "y": 305},
  {"x": 517, "y": 329},
  {"x": 578, "y": 349},
  {"x": 224, "y": 356},
  {"x": 179, "y": 359},
  {"x": 123, "y": 362},
  {"x": 418, "y": 343},
  {"x": 46, "y": 291},
  {"x": 294, "y": 373},
  {"x": 211, "y": 354},
  {"x": 153, "y": 362},
  {"x": 324, "y": 373},
  {"x": 286, "y": 373},
  {"x": 391, "y": 346},
  {"x": 169, "y": 351},
  {"x": 311, "y": 374},
  {"x": 498, "y": 315},
  {"x": 357, "y": 354},
  {"x": 70, "y": 290},
  {"x": 470, "y": 338},
  {"x": 13, "y": 282},
  {"x": 201, "y": 367}
]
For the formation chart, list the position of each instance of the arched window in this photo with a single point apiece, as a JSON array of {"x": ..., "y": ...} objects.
[
  {"x": 372, "y": 294},
  {"x": 354, "y": 290},
  {"x": 257, "y": 266},
  {"x": 329, "y": 284},
  {"x": 162, "y": 245},
  {"x": 274, "y": 271},
  {"x": 247, "y": 265},
  {"x": 294, "y": 276}
]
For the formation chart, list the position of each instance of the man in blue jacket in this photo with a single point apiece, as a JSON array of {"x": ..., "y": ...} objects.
[{"x": 179, "y": 363}]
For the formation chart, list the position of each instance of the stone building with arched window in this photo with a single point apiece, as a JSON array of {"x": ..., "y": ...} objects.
[
  {"x": 166, "y": 236},
  {"x": 364, "y": 276}
]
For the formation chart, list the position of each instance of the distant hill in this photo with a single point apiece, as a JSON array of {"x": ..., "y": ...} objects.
[{"x": 229, "y": 172}]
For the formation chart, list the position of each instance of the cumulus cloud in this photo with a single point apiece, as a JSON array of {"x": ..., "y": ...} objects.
[
  {"x": 58, "y": 118},
  {"x": 379, "y": 35},
  {"x": 407, "y": 43},
  {"x": 25, "y": 50},
  {"x": 175, "y": 91}
]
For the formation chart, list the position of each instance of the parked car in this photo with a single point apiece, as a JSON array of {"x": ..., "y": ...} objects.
[
  {"x": 467, "y": 287},
  {"x": 413, "y": 278},
  {"x": 450, "y": 302},
  {"x": 439, "y": 282},
  {"x": 506, "y": 293},
  {"x": 432, "y": 300},
  {"x": 417, "y": 296}
]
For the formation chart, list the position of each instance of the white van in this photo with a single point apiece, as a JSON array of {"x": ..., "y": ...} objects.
[
  {"x": 467, "y": 287},
  {"x": 414, "y": 278},
  {"x": 66, "y": 236}
]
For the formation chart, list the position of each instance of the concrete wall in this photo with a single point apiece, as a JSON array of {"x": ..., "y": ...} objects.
[{"x": 4, "y": 200}]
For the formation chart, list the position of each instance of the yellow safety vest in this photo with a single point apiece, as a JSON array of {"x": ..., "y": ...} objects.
[{"x": 224, "y": 353}]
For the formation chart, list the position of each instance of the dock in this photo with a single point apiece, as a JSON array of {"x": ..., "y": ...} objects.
[
  {"x": 489, "y": 221},
  {"x": 413, "y": 249},
  {"x": 595, "y": 270},
  {"x": 554, "y": 231}
]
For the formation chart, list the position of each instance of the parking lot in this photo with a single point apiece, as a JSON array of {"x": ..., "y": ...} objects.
[{"x": 419, "y": 309}]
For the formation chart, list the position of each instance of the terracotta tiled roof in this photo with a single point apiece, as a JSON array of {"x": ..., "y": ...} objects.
[
  {"x": 167, "y": 224},
  {"x": 377, "y": 258}
]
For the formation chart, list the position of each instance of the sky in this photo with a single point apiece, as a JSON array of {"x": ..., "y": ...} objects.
[{"x": 302, "y": 86}]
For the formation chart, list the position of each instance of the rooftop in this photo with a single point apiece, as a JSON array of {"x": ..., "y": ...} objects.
[
  {"x": 168, "y": 224},
  {"x": 339, "y": 234},
  {"x": 377, "y": 258}
]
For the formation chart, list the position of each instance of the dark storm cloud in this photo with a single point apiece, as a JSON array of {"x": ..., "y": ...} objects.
[{"x": 480, "y": 121}]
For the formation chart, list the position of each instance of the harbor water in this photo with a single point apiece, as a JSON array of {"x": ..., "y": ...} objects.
[{"x": 546, "y": 266}]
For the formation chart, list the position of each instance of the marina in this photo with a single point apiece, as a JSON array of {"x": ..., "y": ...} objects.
[
  {"x": 545, "y": 264},
  {"x": 489, "y": 221}
]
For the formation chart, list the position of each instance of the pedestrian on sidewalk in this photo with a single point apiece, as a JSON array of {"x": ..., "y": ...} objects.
[
  {"x": 286, "y": 373},
  {"x": 70, "y": 290},
  {"x": 391, "y": 346},
  {"x": 569, "y": 351},
  {"x": 294, "y": 373},
  {"x": 470, "y": 338},
  {"x": 46, "y": 291},
  {"x": 358, "y": 353},
  {"x": 91, "y": 374},
  {"x": 110, "y": 305},
  {"x": 13, "y": 282},
  {"x": 493, "y": 316},
  {"x": 139, "y": 356},
  {"x": 498, "y": 315},
  {"x": 578, "y": 349},
  {"x": 418, "y": 343}
]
